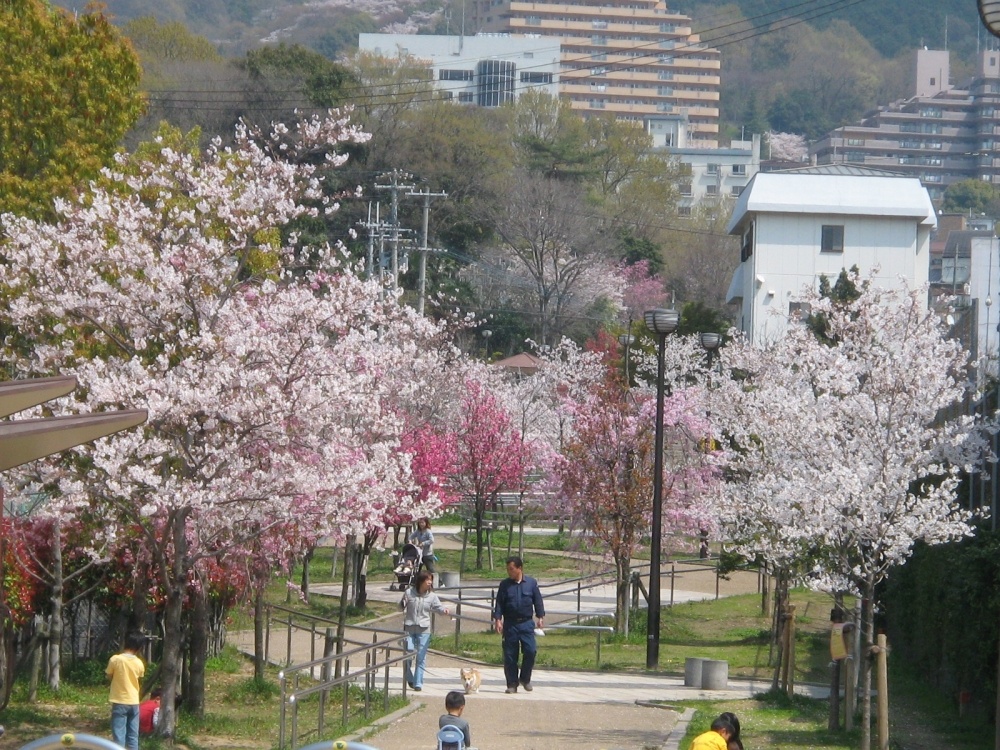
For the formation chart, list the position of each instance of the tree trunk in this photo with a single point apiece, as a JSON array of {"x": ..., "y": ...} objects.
[
  {"x": 172, "y": 627},
  {"x": 194, "y": 696},
  {"x": 866, "y": 665},
  {"x": 55, "y": 603},
  {"x": 480, "y": 512},
  {"x": 258, "y": 634},
  {"x": 344, "y": 596},
  {"x": 623, "y": 571},
  {"x": 306, "y": 559}
]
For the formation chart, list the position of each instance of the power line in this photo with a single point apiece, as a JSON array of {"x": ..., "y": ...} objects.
[{"x": 434, "y": 93}]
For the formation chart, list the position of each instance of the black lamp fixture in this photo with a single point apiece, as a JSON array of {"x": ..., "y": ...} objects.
[
  {"x": 662, "y": 323},
  {"x": 989, "y": 12}
]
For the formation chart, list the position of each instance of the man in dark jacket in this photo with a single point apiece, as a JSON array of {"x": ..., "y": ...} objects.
[{"x": 518, "y": 599}]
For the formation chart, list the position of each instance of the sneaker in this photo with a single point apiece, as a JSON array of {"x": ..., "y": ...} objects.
[
  {"x": 511, "y": 689},
  {"x": 410, "y": 685},
  {"x": 526, "y": 686},
  {"x": 417, "y": 688}
]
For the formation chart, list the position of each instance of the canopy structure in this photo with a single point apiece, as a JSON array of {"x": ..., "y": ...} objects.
[
  {"x": 25, "y": 440},
  {"x": 524, "y": 363}
]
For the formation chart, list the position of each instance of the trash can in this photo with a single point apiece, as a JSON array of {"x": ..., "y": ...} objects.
[
  {"x": 715, "y": 674},
  {"x": 450, "y": 580},
  {"x": 693, "y": 667}
]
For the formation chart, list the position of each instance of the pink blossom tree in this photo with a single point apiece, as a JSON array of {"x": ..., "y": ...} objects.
[
  {"x": 490, "y": 454},
  {"x": 167, "y": 286},
  {"x": 607, "y": 473},
  {"x": 847, "y": 452}
]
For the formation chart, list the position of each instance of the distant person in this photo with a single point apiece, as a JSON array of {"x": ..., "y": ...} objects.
[
  {"x": 423, "y": 537},
  {"x": 716, "y": 738},
  {"x": 419, "y": 601},
  {"x": 149, "y": 713},
  {"x": 454, "y": 705},
  {"x": 126, "y": 670},
  {"x": 518, "y": 596},
  {"x": 735, "y": 741}
]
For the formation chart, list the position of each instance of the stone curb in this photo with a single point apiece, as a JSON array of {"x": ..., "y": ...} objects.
[{"x": 679, "y": 730}]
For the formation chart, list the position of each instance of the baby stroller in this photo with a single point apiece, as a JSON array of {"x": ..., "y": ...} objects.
[{"x": 408, "y": 562}]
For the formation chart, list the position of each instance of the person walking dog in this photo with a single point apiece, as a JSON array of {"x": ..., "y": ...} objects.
[{"x": 518, "y": 598}]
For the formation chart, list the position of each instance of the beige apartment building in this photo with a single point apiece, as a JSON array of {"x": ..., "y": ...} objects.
[{"x": 631, "y": 58}]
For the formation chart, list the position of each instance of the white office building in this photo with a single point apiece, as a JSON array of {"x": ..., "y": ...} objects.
[{"x": 487, "y": 70}]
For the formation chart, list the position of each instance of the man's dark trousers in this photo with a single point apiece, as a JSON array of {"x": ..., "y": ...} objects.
[{"x": 519, "y": 637}]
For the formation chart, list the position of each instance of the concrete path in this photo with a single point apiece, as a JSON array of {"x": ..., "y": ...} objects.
[{"x": 568, "y": 710}]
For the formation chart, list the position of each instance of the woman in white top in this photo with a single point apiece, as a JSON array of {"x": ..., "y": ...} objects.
[{"x": 419, "y": 601}]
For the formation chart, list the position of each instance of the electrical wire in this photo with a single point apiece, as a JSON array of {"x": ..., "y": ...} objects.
[{"x": 434, "y": 93}]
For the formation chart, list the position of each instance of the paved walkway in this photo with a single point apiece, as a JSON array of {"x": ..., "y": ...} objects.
[{"x": 568, "y": 710}]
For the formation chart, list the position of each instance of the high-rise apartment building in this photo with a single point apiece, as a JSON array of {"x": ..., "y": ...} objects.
[
  {"x": 942, "y": 134},
  {"x": 631, "y": 58}
]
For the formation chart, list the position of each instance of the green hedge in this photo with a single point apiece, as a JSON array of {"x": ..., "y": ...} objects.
[{"x": 942, "y": 612}]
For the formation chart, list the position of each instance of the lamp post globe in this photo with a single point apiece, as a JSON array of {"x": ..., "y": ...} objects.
[
  {"x": 662, "y": 323},
  {"x": 989, "y": 12}
]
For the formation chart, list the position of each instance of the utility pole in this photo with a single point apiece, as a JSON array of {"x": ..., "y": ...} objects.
[
  {"x": 422, "y": 282},
  {"x": 396, "y": 184}
]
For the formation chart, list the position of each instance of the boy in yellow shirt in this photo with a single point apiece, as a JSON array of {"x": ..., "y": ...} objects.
[
  {"x": 715, "y": 739},
  {"x": 126, "y": 670}
]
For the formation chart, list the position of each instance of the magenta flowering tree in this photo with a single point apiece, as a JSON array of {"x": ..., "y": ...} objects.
[{"x": 491, "y": 456}]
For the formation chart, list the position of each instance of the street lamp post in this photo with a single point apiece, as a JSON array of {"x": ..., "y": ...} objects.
[
  {"x": 626, "y": 340},
  {"x": 710, "y": 342},
  {"x": 661, "y": 322}
]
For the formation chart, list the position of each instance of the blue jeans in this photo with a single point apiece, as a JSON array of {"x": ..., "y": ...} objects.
[
  {"x": 416, "y": 643},
  {"x": 518, "y": 638},
  {"x": 125, "y": 725}
]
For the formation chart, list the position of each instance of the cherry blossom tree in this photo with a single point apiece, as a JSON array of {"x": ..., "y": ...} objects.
[
  {"x": 167, "y": 286},
  {"x": 607, "y": 472},
  {"x": 846, "y": 452}
]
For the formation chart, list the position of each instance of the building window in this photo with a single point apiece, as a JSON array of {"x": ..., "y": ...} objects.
[
  {"x": 713, "y": 169},
  {"x": 855, "y": 141},
  {"x": 736, "y": 190},
  {"x": 746, "y": 243},
  {"x": 455, "y": 75},
  {"x": 685, "y": 189},
  {"x": 832, "y": 240},
  {"x": 909, "y": 127},
  {"x": 712, "y": 189},
  {"x": 466, "y": 97},
  {"x": 533, "y": 21},
  {"x": 799, "y": 310},
  {"x": 528, "y": 76},
  {"x": 684, "y": 210},
  {"x": 930, "y": 112},
  {"x": 740, "y": 169}
]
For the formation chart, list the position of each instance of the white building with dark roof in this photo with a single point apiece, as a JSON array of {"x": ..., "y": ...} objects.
[{"x": 801, "y": 224}]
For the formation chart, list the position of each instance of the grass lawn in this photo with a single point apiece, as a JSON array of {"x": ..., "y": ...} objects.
[
  {"x": 240, "y": 714},
  {"x": 730, "y": 628}
]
